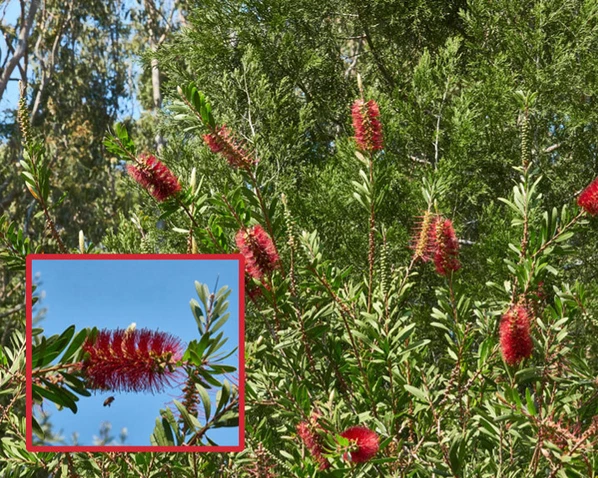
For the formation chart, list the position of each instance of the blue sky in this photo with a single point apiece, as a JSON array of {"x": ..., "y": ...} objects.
[{"x": 112, "y": 294}]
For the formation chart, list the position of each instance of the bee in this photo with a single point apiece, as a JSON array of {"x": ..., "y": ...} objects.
[{"x": 108, "y": 401}]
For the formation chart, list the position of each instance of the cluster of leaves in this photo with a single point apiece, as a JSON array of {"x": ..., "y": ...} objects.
[{"x": 203, "y": 358}]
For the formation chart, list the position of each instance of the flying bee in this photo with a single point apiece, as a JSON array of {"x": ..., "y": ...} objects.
[{"x": 108, "y": 401}]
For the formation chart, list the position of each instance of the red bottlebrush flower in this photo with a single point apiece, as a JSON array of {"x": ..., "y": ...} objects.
[
  {"x": 155, "y": 177},
  {"x": 313, "y": 442},
  {"x": 259, "y": 251},
  {"x": 220, "y": 140},
  {"x": 366, "y": 441},
  {"x": 424, "y": 237},
  {"x": 515, "y": 339},
  {"x": 446, "y": 247},
  {"x": 131, "y": 360},
  {"x": 367, "y": 126},
  {"x": 588, "y": 199}
]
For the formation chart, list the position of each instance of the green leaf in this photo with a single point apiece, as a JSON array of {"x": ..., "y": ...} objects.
[
  {"x": 198, "y": 315},
  {"x": 37, "y": 429},
  {"x": 223, "y": 396},
  {"x": 189, "y": 420},
  {"x": 565, "y": 236},
  {"x": 457, "y": 455},
  {"x": 74, "y": 346},
  {"x": 203, "y": 293},
  {"x": 220, "y": 322},
  {"x": 162, "y": 435},
  {"x": 205, "y": 400},
  {"x": 51, "y": 348},
  {"x": 531, "y": 407},
  {"x": 416, "y": 392},
  {"x": 229, "y": 419},
  {"x": 208, "y": 378}
]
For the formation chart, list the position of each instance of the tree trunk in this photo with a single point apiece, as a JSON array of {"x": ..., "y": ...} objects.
[{"x": 21, "y": 48}]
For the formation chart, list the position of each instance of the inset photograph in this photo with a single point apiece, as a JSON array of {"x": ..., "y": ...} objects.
[{"x": 135, "y": 353}]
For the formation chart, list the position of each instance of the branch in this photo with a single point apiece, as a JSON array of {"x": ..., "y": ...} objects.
[
  {"x": 47, "y": 71},
  {"x": 12, "y": 311},
  {"x": 385, "y": 73},
  {"x": 21, "y": 46}
]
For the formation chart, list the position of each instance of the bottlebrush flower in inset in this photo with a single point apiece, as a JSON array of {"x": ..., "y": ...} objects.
[
  {"x": 139, "y": 360},
  {"x": 155, "y": 177},
  {"x": 588, "y": 199},
  {"x": 446, "y": 247},
  {"x": 313, "y": 442},
  {"x": 220, "y": 140},
  {"x": 515, "y": 339},
  {"x": 366, "y": 441},
  {"x": 258, "y": 250},
  {"x": 424, "y": 237},
  {"x": 367, "y": 126}
]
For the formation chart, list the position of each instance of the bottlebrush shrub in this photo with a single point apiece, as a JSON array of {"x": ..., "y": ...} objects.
[{"x": 380, "y": 341}]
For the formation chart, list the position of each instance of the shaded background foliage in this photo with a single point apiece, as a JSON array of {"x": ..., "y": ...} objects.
[{"x": 283, "y": 76}]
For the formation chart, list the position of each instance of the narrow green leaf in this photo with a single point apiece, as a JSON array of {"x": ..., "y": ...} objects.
[
  {"x": 531, "y": 407},
  {"x": 416, "y": 392},
  {"x": 223, "y": 395},
  {"x": 74, "y": 346},
  {"x": 205, "y": 400}
]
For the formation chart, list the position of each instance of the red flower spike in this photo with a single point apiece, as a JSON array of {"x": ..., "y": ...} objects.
[
  {"x": 313, "y": 442},
  {"x": 220, "y": 140},
  {"x": 446, "y": 247},
  {"x": 366, "y": 441},
  {"x": 588, "y": 199},
  {"x": 259, "y": 251},
  {"x": 367, "y": 126},
  {"x": 515, "y": 339},
  {"x": 139, "y": 360},
  {"x": 155, "y": 177}
]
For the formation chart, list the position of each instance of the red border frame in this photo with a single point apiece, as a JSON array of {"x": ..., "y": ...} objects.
[{"x": 131, "y": 449}]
